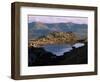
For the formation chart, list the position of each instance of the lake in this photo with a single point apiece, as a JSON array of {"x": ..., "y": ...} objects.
[{"x": 60, "y": 49}]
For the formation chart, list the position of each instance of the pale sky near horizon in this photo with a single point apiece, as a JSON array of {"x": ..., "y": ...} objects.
[{"x": 57, "y": 19}]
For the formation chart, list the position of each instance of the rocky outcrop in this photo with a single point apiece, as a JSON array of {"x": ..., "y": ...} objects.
[{"x": 54, "y": 38}]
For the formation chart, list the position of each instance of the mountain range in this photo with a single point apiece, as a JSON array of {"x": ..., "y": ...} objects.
[{"x": 38, "y": 29}]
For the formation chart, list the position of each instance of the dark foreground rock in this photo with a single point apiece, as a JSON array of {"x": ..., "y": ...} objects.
[{"x": 40, "y": 57}]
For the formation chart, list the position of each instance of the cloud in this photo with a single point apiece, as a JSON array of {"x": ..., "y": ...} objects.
[{"x": 57, "y": 19}]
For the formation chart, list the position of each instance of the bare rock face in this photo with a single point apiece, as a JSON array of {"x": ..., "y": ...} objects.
[{"x": 54, "y": 38}]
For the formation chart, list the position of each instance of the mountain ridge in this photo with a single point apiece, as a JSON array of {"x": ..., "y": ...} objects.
[{"x": 37, "y": 29}]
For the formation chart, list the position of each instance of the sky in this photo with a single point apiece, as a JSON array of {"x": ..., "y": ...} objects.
[{"x": 57, "y": 19}]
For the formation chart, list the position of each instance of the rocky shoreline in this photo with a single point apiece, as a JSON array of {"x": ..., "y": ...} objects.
[{"x": 37, "y": 56}]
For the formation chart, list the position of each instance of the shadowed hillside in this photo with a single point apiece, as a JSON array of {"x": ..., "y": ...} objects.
[
  {"x": 37, "y": 29},
  {"x": 41, "y": 57}
]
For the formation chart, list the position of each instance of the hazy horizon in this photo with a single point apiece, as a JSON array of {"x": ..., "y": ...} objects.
[{"x": 57, "y": 19}]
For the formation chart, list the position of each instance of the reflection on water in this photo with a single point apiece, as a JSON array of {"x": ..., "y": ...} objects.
[
  {"x": 60, "y": 49},
  {"x": 77, "y": 45}
]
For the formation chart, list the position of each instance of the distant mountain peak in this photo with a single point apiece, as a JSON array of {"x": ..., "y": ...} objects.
[{"x": 36, "y": 29}]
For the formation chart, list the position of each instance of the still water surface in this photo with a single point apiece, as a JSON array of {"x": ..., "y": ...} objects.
[{"x": 60, "y": 49}]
